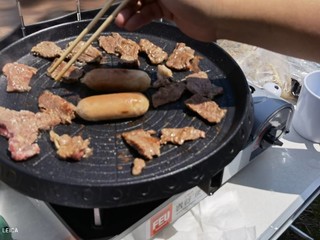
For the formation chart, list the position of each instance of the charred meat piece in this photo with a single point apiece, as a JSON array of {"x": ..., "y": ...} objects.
[
  {"x": 91, "y": 54},
  {"x": 68, "y": 147},
  {"x": 164, "y": 75},
  {"x": 57, "y": 106},
  {"x": 199, "y": 83},
  {"x": 143, "y": 141},
  {"x": 21, "y": 130},
  {"x": 73, "y": 74},
  {"x": 127, "y": 49},
  {"x": 180, "y": 135},
  {"x": 206, "y": 108},
  {"x": 155, "y": 53},
  {"x": 138, "y": 165},
  {"x": 181, "y": 57},
  {"x": 18, "y": 76},
  {"x": 167, "y": 94},
  {"x": 47, "y": 49}
]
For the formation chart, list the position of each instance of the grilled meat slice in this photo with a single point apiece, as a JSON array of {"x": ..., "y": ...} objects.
[
  {"x": 143, "y": 141},
  {"x": 199, "y": 83},
  {"x": 138, "y": 165},
  {"x": 21, "y": 130},
  {"x": 18, "y": 76},
  {"x": 47, "y": 49},
  {"x": 155, "y": 53},
  {"x": 180, "y": 135},
  {"x": 68, "y": 147},
  {"x": 127, "y": 49},
  {"x": 164, "y": 75},
  {"x": 167, "y": 94},
  {"x": 56, "y": 105},
  {"x": 73, "y": 74},
  {"x": 109, "y": 43},
  {"x": 195, "y": 64},
  {"x": 181, "y": 57},
  {"x": 91, "y": 54},
  {"x": 206, "y": 108},
  {"x": 129, "y": 52}
]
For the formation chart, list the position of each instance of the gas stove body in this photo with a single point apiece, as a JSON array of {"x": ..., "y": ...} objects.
[{"x": 272, "y": 119}]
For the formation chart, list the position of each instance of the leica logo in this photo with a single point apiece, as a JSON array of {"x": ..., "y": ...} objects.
[
  {"x": 160, "y": 220},
  {"x": 9, "y": 230}
]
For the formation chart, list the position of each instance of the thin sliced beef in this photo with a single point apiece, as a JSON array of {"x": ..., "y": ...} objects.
[
  {"x": 21, "y": 128},
  {"x": 180, "y": 135},
  {"x": 199, "y": 83},
  {"x": 73, "y": 74},
  {"x": 129, "y": 52},
  {"x": 167, "y": 94},
  {"x": 195, "y": 64},
  {"x": 138, "y": 165},
  {"x": 47, "y": 49},
  {"x": 181, "y": 57},
  {"x": 91, "y": 54},
  {"x": 127, "y": 49},
  {"x": 155, "y": 53},
  {"x": 56, "y": 106},
  {"x": 109, "y": 43},
  {"x": 206, "y": 108},
  {"x": 68, "y": 147},
  {"x": 143, "y": 141},
  {"x": 18, "y": 76}
]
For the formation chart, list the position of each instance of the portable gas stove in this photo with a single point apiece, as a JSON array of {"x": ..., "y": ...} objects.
[{"x": 272, "y": 117}]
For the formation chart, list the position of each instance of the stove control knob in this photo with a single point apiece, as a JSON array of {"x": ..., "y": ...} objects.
[{"x": 271, "y": 137}]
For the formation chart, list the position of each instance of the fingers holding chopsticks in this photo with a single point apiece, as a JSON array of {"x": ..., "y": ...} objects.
[{"x": 140, "y": 12}]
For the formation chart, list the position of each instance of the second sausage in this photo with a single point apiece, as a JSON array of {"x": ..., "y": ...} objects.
[{"x": 112, "y": 106}]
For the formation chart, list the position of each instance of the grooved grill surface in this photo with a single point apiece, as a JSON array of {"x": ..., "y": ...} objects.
[{"x": 110, "y": 165}]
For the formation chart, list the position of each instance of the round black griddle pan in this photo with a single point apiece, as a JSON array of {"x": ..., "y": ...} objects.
[{"x": 105, "y": 179}]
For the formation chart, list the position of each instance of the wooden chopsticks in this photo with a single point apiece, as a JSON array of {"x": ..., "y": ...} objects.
[{"x": 93, "y": 37}]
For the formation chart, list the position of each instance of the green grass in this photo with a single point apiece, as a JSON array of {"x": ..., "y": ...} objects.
[{"x": 308, "y": 222}]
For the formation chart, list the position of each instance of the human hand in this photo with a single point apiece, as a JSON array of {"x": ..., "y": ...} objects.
[{"x": 195, "y": 18}]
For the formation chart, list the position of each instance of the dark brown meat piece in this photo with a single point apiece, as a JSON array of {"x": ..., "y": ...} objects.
[
  {"x": 164, "y": 76},
  {"x": 180, "y": 135},
  {"x": 73, "y": 74},
  {"x": 18, "y": 76},
  {"x": 141, "y": 140},
  {"x": 181, "y": 57},
  {"x": 138, "y": 165},
  {"x": 167, "y": 94},
  {"x": 155, "y": 53},
  {"x": 199, "y": 83},
  {"x": 47, "y": 49},
  {"x": 57, "y": 106},
  {"x": 91, "y": 54},
  {"x": 206, "y": 108},
  {"x": 68, "y": 147},
  {"x": 21, "y": 128},
  {"x": 127, "y": 49}
]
